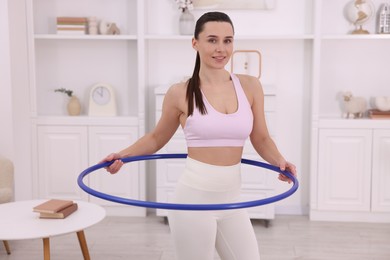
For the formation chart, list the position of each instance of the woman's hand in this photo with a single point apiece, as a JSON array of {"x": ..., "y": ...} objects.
[
  {"x": 116, "y": 165},
  {"x": 287, "y": 166}
]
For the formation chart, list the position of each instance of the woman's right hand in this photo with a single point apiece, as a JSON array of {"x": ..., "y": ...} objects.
[{"x": 116, "y": 165}]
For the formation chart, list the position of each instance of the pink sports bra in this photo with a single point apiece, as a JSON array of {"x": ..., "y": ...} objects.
[{"x": 216, "y": 129}]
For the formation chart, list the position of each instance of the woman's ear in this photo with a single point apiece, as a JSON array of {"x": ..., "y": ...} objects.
[{"x": 194, "y": 44}]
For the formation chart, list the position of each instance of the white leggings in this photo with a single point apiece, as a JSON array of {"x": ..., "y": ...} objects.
[{"x": 196, "y": 234}]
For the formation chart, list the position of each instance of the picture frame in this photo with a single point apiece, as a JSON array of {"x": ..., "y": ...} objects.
[
  {"x": 246, "y": 62},
  {"x": 235, "y": 4}
]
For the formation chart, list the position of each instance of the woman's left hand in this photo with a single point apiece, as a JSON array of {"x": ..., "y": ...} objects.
[{"x": 287, "y": 166}]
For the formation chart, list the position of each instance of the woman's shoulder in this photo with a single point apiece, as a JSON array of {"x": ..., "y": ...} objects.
[
  {"x": 249, "y": 83},
  {"x": 247, "y": 79},
  {"x": 177, "y": 89},
  {"x": 176, "y": 96}
]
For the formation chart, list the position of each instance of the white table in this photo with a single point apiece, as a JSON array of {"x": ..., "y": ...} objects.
[{"x": 18, "y": 221}]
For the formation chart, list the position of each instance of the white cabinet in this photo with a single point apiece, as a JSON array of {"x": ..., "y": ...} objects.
[
  {"x": 62, "y": 154},
  {"x": 257, "y": 183},
  {"x": 353, "y": 173},
  {"x": 64, "y": 151},
  {"x": 344, "y": 169},
  {"x": 381, "y": 171},
  {"x": 127, "y": 183}
]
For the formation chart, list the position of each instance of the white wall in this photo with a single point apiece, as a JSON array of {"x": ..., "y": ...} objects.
[
  {"x": 17, "y": 122},
  {"x": 6, "y": 119}
]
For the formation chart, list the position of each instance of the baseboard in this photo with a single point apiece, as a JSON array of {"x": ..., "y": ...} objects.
[{"x": 291, "y": 210}]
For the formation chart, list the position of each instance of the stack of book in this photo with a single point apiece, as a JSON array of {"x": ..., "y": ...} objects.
[
  {"x": 55, "y": 208},
  {"x": 377, "y": 114},
  {"x": 72, "y": 25}
]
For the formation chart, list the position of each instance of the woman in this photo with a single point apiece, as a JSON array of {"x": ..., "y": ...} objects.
[{"x": 218, "y": 111}]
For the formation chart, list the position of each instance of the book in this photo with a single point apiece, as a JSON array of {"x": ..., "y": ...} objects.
[
  {"x": 72, "y": 20},
  {"x": 71, "y": 26},
  {"x": 60, "y": 214},
  {"x": 52, "y": 206},
  {"x": 377, "y": 114},
  {"x": 70, "y": 32}
]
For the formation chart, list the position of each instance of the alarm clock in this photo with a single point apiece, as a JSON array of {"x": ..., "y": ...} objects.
[{"x": 102, "y": 101}]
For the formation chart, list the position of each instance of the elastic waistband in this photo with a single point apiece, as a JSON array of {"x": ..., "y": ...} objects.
[{"x": 211, "y": 177}]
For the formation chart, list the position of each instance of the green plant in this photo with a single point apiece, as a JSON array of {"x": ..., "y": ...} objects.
[{"x": 66, "y": 91}]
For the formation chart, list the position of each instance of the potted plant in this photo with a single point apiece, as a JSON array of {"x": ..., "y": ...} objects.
[{"x": 74, "y": 106}]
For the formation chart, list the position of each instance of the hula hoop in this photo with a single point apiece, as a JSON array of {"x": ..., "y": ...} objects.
[{"x": 173, "y": 206}]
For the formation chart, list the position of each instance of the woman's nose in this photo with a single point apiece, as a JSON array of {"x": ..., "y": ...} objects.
[{"x": 220, "y": 47}]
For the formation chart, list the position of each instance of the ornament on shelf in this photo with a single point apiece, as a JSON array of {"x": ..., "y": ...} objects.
[
  {"x": 186, "y": 19},
  {"x": 359, "y": 12},
  {"x": 102, "y": 100},
  {"x": 384, "y": 19},
  {"x": 108, "y": 28},
  {"x": 73, "y": 106},
  {"x": 354, "y": 107},
  {"x": 382, "y": 103},
  {"x": 92, "y": 25}
]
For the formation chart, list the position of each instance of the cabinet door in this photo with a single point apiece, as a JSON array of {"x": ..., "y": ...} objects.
[
  {"x": 127, "y": 182},
  {"x": 62, "y": 155},
  {"x": 381, "y": 171},
  {"x": 344, "y": 173}
]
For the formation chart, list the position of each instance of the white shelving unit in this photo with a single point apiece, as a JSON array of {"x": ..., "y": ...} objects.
[
  {"x": 66, "y": 145},
  {"x": 348, "y": 156}
]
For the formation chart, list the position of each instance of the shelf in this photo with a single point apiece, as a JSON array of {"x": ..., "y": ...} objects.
[
  {"x": 276, "y": 37},
  {"x": 355, "y": 37},
  {"x": 84, "y": 37},
  {"x": 86, "y": 120},
  {"x": 269, "y": 90},
  {"x": 237, "y": 37},
  {"x": 362, "y": 123}
]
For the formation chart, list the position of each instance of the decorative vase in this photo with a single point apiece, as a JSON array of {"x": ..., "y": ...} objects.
[
  {"x": 186, "y": 23},
  {"x": 74, "y": 106}
]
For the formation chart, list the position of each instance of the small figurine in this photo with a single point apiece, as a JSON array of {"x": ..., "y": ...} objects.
[
  {"x": 354, "y": 106},
  {"x": 92, "y": 25},
  {"x": 108, "y": 28}
]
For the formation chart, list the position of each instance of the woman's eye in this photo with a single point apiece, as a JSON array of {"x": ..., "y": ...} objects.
[{"x": 213, "y": 40}]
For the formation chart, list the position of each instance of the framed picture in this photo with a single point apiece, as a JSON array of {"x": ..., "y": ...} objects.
[
  {"x": 246, "y": 62},
  {"x": 235, "y": 4}
]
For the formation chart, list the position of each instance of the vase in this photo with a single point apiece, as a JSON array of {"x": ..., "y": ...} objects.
[
  {"x": 186, "y": 23},
  {"x": 74, "y": 106}
]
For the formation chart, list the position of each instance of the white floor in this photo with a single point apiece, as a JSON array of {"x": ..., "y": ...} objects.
[{"x": 287, "y": 238}]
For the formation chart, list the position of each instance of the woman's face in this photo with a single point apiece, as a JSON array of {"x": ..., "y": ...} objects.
[{"x": 215, "y": 44}]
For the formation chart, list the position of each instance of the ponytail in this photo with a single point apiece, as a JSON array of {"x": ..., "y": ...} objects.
[{"x": 193, "y": 88}]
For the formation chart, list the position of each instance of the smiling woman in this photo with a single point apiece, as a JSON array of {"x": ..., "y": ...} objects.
[{"x": 217, "y": 111}]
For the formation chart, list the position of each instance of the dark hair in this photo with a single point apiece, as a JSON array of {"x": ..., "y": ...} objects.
[{"x": 193, "y": 84}]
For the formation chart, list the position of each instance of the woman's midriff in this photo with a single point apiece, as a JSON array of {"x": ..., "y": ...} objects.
[{"x": 222, "y": 156}]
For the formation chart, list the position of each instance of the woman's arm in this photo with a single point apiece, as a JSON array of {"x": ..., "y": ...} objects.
[
  {"x": 260, "y": 137},
  {"x": 158, "y": 137}
]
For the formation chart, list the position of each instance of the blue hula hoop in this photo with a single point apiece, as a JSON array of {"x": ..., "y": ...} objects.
[{"x": 172, "y": 206}]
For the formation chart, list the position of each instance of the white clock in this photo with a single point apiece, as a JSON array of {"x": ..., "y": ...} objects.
[{"x": 102, "y": 101}]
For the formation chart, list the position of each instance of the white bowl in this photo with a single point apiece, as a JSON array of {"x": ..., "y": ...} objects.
[{"x": 382, "y": 103}]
